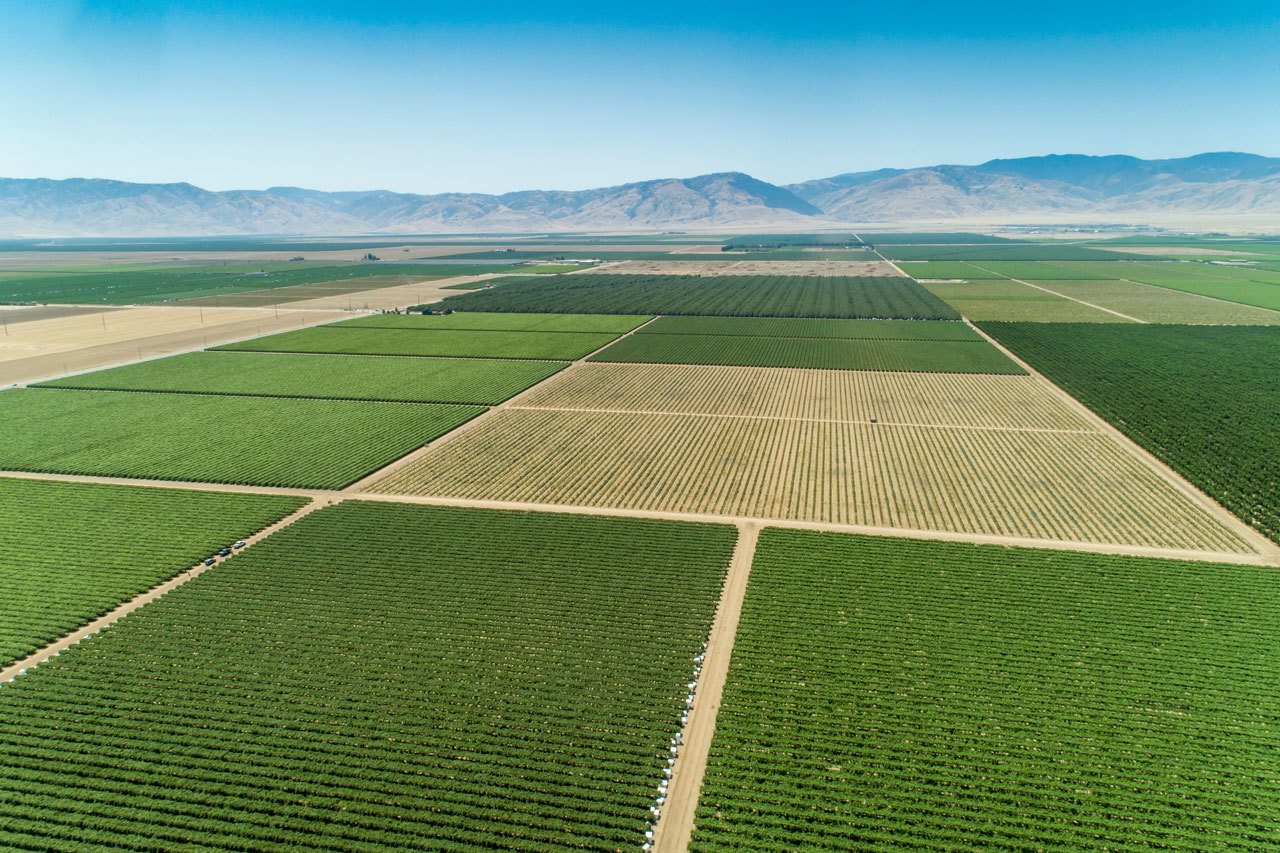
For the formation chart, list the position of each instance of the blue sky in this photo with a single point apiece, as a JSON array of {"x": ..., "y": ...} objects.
[{"x": 491, "y": 97}]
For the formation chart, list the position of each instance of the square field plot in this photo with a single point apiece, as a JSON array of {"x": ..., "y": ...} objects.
[
  {"x": 976, "y": 356},
  {"x": 486, "y": 321},
  {"x": 254, "y": 440},
  {"x": 380, "y": 676},
  {"x": 336, "y": 377},
  {"x": 890, "y": 693},
  {"x": 70, "y": 552},
  {"x": 465, "y": 343},
  {"x": 1068, "y": 485},
  {"x": 749, "y": 296}
]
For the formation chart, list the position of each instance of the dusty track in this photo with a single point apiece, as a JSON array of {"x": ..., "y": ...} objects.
[{"x": 675, "y": 822}]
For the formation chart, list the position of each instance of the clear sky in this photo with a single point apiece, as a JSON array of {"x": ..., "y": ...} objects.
[{"x": 490, "y": 97}]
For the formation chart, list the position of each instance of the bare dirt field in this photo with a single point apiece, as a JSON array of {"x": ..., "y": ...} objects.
[
  {"x": 730, "y": 267},
  {"x": 1065, "y": 483},
  {"x": 56, "y": 346},
  {"x": 11, "y": 315}
]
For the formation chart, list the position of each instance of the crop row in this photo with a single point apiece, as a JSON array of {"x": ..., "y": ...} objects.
[
  {"x": 933, "y": 399},
  {"x": 889, "y": 693},
  {"x": 596, "y": 323},
  {"x": 787, "y": 327},
  {"x": 457, "y": 343},
  {"x": 1204, "y": 399},
  {"x": 976, "y": 356},
  {"x": 751, "y": 296},
  {"x": 256, "y": 440},
  {"x": 1080, "y": 487},
  {"x": 337, "y": 377},
  {"x": 70, "y": 552},
  {"x": 515, "y": 684}
]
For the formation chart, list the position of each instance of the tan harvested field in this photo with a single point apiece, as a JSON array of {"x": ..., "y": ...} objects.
[
  {"x": 397, "y": 296},
  {"x": 46, "y": 348},
  {"x": 939, "y": 399},
  {"x": 350, "y": 290},
  {"x": 731, "y": 267},
  {"x": 1018, "y": 465}
]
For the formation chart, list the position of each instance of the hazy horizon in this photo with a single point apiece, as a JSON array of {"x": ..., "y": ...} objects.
[{"x": 344, "y": 96}]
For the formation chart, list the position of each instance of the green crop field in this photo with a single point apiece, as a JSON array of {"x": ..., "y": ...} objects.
[
  {"x": 70, "y": 552},
  {"x": 888, "y": 693},
  {"x": 461, "y": 343},
  {"x": 1009, "y": 300},
  {"x": 1003, "y": 252},
  {"x": 931, "y": 238},
  {"x": 939, "y": 356},
  {"x": 334, "y": 377},
  {"x": 374, "y": 677},
  {"x": 786, "y": 327},
  {"x": 1205, "y": 399},
  {"x": 1041, "y": 271},
  {"x": 1247, "y": 286},
  {"x": 753, "y": 296},
  {"x": 779, "y": 241},
  {"x": 110, "y": 285},
  {"x": 262, "y": 441},
  {"x": 1154, "y": 304},
  {"x": 946, "y": 270},
  {"x": 597, "y": 323}
]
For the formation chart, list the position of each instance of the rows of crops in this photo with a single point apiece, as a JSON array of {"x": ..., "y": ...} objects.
[
  {"x": 893, "y": 693},
  {"x": 1078, "y": 487},
  {"x": 596, "y": 323},
  {"x": 256, "y": 440},
  {"x": 478, "y": 381},
  {"x": 377, "y": 676},
  {"x": 785, "y": 327},
  {"x": 939, "y": 399},
  {"x": 1004, "y": 252},
  {"x": 147, "y": 283},
  {"x": 831, "y": 353},
  {"x": 946, "y": 270},
  {"x": 752, "y": 296},
  {"x": 1204, "y": 399},
  {"x": 1010, "y": 300},
  {"x": 1153, "y": 304},
  {"x": 70, "y": 552},
  {"x": 778, "y": 241},
  {"x": 457, "y": 343}
]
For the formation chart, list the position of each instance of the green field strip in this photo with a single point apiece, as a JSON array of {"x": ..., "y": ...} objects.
[
  {"x": 1256, "y": 290},
  {"x": 71, "y": 552},
  {"x": 945, "y": 270},
  {"x": 1006, "y": 300},
  {"x": 888, "y": 692},
  {"x": 889, "y": 297},
  {"x": 475, "y": 381},
  {"x": 262, "y": 441},
  {"x": 1204, "y": 399},
  {"x": 907, "y": 330},
  {"x": 1156, "y": 304},
  {"x": 380, "y": 676},
  {"x": 931, "y": 356},
  {"x": 490, "y": 322},
  {"x": 456, "y": 343},
  {"x": 1002, "y": 252}
]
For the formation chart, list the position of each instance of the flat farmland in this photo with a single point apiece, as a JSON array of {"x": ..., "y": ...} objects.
[
  {"x": 938, "y": 399},
  {"x": 1256, "y": 287},
  {"x": 488, "y": 322},
  {"x": 1067, "y": 486},
  {"x": 830, "y": 353},
  {"x": 1162, "y": 304},
  {"x": 70, "y": 552},
  {"x": 461, "y": 343},
  {"x": 264, "y": 441},
  {"x": 946, "y": 270},
  {"x": 1010, "y": 251},
  {"x": 515, "y": 683},
  {"x": 1009, "y": 300},
  {"x": 750, "y": 296},
  {"x": 888, "y": 693},
  {"x": 1046, "y": 272},
  {"x": 905, "y": 330},
  {"x": 478, "y": 381},
  {"x": 816, "y": 264}
]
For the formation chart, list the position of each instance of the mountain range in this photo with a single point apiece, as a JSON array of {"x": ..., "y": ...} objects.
[{"x": 1053, "y": 185}]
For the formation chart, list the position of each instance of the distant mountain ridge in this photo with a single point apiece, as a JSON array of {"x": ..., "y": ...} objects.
[{"x": 1223, "y": 182}]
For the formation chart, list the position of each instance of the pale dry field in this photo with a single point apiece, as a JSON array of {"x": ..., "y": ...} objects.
[
  {"x": 986, "y": 472},
  {"x": 382, "y": 298},
  {"x": 940, "y": 399},
  {"x": 731, "y": 267},
  {"x": 45, "y": 348}
]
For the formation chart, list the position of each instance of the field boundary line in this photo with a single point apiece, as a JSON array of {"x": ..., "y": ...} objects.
[
  {"x": 1056, "y": 293},
  {"x": 675, "y": 824},
  {"x": 1204, "y": 296},
  {"x": 1268, "y": 550},
  {"x": 510, "y": 402},
  {"x": 55, "y": 648},
  {"x": 1253, "y": 558},
  {"x": 784, "y": 418},
  {"x": 190, "y": 485}
]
